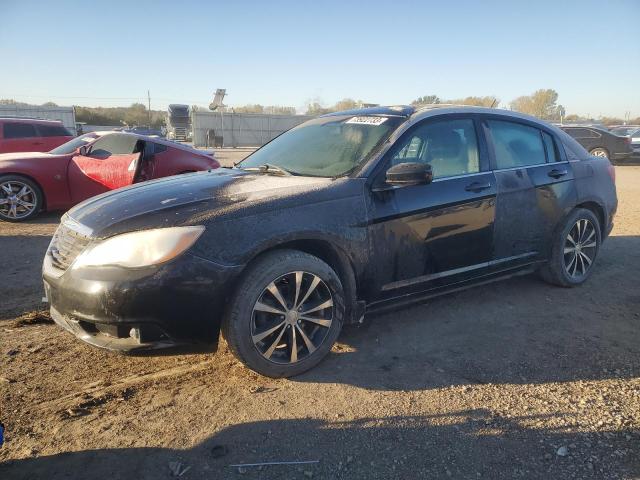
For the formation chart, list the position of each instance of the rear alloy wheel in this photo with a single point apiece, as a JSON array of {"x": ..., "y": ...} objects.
[
  {"x": 600, "y": 152},
  {"x": 580, "y": 248},
  {"x": 20, "y": 198},
  {"x": 286, "y": 313},
  {"x": 574, "y": 250}
]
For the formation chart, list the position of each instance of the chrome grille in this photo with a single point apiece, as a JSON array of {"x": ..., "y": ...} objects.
[
  {"x": 180, "y": 133},
  {"x": 65, "y": 246}
]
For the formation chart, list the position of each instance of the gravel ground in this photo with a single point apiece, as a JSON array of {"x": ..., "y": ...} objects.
[{"x": 517, "y": 379}]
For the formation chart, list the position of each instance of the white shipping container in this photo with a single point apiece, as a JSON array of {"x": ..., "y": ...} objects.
[{"x": 241, "y": 129}]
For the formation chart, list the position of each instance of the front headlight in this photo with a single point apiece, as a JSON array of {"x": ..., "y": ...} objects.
[{"x": 140, "y": 249}]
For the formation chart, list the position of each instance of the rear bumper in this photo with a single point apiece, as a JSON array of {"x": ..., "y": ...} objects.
[{"x": 176, "y": 304}]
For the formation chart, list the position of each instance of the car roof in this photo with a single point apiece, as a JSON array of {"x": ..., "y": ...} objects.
[
  {"x": 416, "y": 113},
  {"x": 392, "y": 111},
  {"x": 43, "y": 121},
  {"x": 447, "y": 109}
]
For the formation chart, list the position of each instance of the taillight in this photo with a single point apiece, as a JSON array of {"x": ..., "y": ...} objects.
[{"x": 612, "y": 172}]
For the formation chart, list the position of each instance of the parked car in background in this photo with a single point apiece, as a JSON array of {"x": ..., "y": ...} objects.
[
  {"x": 86, "y": 166},
  {"x": 625, "y": 130},
  {"x": 348, "y": 213},
  {"x": 633, "y": 133},
  {"x": 31, "y": 135},
  {"x": 600, "y": 142}
]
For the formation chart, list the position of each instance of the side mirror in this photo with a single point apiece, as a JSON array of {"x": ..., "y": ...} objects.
[
  {"x": 410, "y": 173},
  {"x": 84, "y": 150}
]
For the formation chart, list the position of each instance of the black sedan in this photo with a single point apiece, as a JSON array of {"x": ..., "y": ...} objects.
[
  {"x": 343, "y": 215},
  {"x": 600, "y": 142}
]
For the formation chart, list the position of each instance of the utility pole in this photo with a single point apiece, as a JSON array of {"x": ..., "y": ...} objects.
[{"x": 149, "y": 107}]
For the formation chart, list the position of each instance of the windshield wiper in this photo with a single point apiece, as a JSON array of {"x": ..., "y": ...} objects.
[{"x": 269, "y": 168}]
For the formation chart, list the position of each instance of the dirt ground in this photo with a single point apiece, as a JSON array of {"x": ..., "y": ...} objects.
[{"x": 517, "y": 379}]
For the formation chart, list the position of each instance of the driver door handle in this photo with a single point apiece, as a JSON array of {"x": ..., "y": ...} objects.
[
  {"x": 477, "y": 186},
  {"x": 555, "y": 173}
]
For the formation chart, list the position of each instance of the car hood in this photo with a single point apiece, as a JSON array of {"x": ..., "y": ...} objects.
[{"x": 193, "y": 199}]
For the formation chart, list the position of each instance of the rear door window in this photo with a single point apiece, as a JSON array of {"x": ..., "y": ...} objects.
[
  {"x": 516, "y": 145},
  {"x": 19, "y": 130},
  {"x": 53, "y": 131},
  {"x": 582, "y": 133}
]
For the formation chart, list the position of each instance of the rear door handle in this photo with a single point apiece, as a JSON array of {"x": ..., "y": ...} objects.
[
  {"x": 477, "y": 187},
  {"x": 555, "y": 173}
]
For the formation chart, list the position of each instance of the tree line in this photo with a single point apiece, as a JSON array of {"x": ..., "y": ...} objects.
[{"x": 542, "y": 103}]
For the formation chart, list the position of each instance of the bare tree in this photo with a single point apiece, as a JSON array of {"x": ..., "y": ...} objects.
[
  {"x": 426, "y": 100},
  {"x": 489, "y": 101}
]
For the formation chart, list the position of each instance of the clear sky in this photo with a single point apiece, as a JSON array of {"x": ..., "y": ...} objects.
[{"x": 289, "y": 52}]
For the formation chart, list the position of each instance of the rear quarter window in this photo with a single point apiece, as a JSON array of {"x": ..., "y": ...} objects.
[
  {"x": 159, "y": 148},
  {"x": 18, "y": 130}
]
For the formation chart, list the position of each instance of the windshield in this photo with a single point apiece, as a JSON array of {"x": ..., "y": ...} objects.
[
  {"x": 74, "y": 144},
  {"x": 326, "y": 146}
]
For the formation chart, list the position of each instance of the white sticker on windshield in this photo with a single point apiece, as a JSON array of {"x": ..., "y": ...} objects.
[{"x": 367, "y": 120}]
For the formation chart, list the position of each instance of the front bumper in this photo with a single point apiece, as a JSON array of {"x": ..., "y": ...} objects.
[{"x": 178, "y": 303}]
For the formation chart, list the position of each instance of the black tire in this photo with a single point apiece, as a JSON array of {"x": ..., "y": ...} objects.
[
  {"x": 240, "y": 325},
  {"x": 36, "y": 198},
  {"x": 559, "y": 269},
  {"x": 599, "y": 152}
]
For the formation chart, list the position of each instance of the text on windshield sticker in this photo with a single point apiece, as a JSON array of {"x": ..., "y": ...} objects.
[{"x": 367, "y": 120}]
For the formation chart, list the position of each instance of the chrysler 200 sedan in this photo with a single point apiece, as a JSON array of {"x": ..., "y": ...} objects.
[{"x": 345, "y": 214}]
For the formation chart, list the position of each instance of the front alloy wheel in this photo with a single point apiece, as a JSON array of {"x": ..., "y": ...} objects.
[
  {"x": 292, "y": 317},
  {"x": 285, "y": 314}
]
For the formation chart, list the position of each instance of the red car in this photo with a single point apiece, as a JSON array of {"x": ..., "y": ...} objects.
[
  {"x": 29, "y": 135},
  {"x": 86, "y": 166}
]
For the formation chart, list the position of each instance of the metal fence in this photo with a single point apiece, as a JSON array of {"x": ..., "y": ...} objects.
[
  {"x": 66, "y": 115},
  {"x": 240, "y": 129}
]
